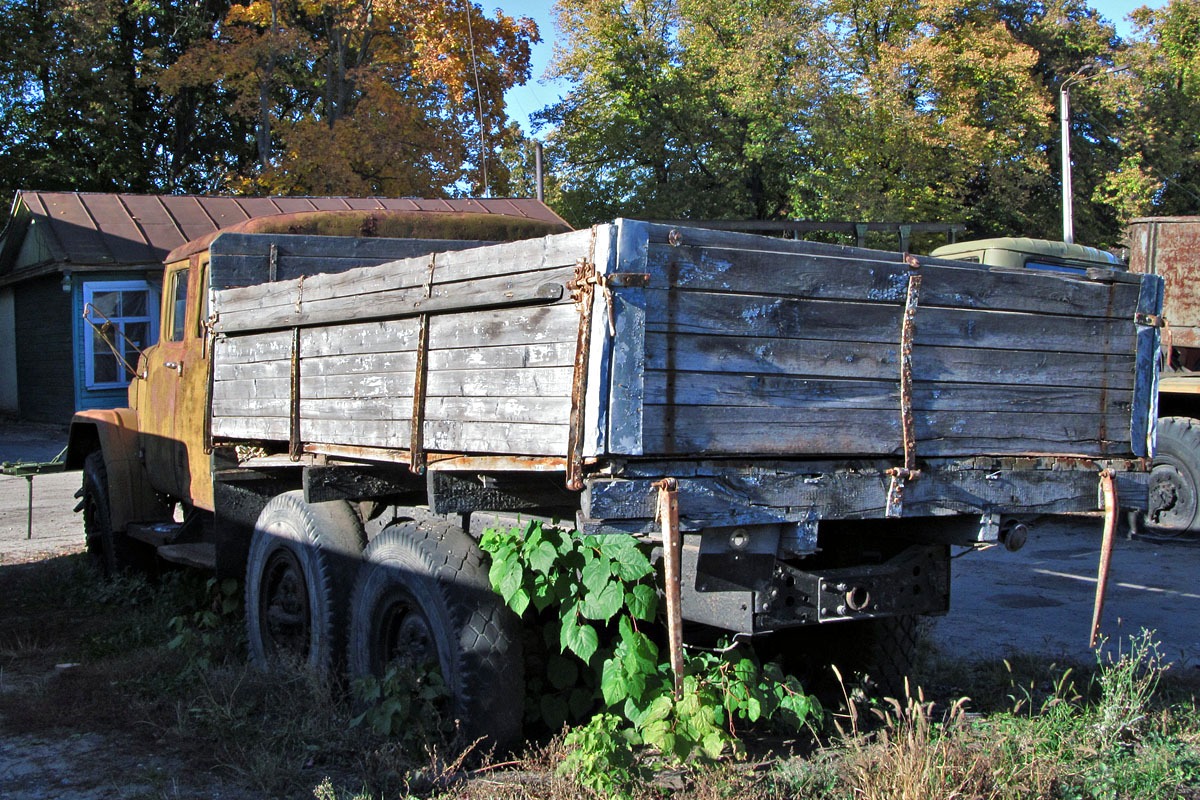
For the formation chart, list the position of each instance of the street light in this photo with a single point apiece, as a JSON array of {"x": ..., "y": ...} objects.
[{"x": 1086, "y": 72}]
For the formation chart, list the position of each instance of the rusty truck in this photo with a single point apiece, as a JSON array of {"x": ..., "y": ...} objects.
[{"x": 323, "y": 415}]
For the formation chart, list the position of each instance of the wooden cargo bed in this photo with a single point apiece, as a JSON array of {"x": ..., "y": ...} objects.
[{"x": 687, "y": 343}]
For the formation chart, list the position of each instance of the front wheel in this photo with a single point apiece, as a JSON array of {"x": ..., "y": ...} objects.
[
  {"x": 423, "y": 596},
  {"x": 112, "y": 551},
  {"x": 298, "y": 578}
]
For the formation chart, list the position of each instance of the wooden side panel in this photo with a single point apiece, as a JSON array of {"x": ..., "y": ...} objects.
[
  {"x": 768, "y": 347},
  {"x": 497, "y": 381}
]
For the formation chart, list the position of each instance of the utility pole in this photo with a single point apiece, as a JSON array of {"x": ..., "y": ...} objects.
[{"x": 1086, "y": 72}]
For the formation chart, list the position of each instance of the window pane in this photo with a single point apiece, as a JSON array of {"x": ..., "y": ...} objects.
[
  {"x": 107, "y": 303},
  {"x": 179, "y": 304},
  {"x": 133, "y": 304},
  {"x": 138, "y": 333},
  {"x": 105, "y": 368}
]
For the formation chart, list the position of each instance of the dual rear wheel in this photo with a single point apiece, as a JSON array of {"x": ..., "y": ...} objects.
[{"x": 319, "y": 596}]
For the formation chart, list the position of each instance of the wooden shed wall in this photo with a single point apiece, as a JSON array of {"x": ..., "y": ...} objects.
[{"x": 45, "y": 360}]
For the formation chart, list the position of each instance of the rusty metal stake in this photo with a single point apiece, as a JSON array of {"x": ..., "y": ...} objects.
[
  {"x": 29, "y": 514},
  {"x": 668, "y": 516},
  {"x": 1109, "y": 489}
]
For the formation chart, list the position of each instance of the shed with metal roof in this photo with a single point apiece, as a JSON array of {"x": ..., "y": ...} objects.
[{"x": 61, "y": 250}]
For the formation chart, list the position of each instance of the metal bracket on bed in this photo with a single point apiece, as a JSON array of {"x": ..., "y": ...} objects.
[
  {"x": 895, "y": 495},
  {"x": 583, "y": 289},
  {"x": 416, "y": 440}
]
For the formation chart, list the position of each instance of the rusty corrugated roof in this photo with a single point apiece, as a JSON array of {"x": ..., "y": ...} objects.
[{"x": 97, "y": 228}]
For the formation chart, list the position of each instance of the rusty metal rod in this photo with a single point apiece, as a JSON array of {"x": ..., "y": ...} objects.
[
  {"x": 668, "y": 515},
  {"x": 1109, "y": 489},
  {"x": 29, "y": 513}
]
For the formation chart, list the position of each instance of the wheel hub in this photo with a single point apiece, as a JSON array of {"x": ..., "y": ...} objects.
[
  {"x": 1171, "y": 503},
  {"x": 284, "y": 615}
]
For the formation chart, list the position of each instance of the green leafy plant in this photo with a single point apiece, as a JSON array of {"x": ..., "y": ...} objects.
[
  {"x": 204, "y": 634},
  {"x": 597, "y": 599},
  {"x": 406, "y": 702}
]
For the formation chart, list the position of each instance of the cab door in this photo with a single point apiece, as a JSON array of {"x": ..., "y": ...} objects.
[
  {"x": 157, "y": 406},
  {"x": 193, "y": 466}
]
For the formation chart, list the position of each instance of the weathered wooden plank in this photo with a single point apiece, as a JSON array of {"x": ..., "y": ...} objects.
[
  {"x": 448, "y": 436},
  {"x": 350, "y": 409},
  {"x": 248, "y": 388},
  {"x": 226, "y": 371},
  {"x": 810, "y": 357},
  {"x": 530, "y": 382},
  {"x": 530, "y": 288},
  {"x": 255, "y": 347},
  {"x": 710, "y": 430},
  {"x": 756, "y": 315},
  {"x": 240, "y": 259},
  {"x": 465, "y": 409},
  {"x": 508, "y": 326},
  {"x": 243, "y": 427},
  {"x": 787, "y": 393},
  {"x": 748, "y": 497},
  {"x": 544, "y": 410},
  {"x": 518, "y": 438},
  {"x": 364, "y": 337},
  {"x": 509, "y": 259},
  {"x": 807, "y": 271},
  {"x": 358, "y": 364},
  {"x": 539, "y": 382},
  {"x": 251, "y": 407},
  {"x": 541, "y": 325},
  {"x": 363, "y": 433},
  {"x": 632, "y": 308},
  {"x": 379, "y": 384},
  {"x": 554, "y": 354}
]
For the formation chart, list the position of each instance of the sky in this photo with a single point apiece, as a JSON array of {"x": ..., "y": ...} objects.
[{"x": 524, "y": 101}]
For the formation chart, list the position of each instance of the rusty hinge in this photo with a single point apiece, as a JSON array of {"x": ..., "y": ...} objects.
[
  {"x": 627, "y": 280},
  {"x": 1152, "y": 320}
]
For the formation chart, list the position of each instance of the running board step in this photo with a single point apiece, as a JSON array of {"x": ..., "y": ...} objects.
[
  {"x": 155, "y": 534},
  {"x": 202, "y": 555}
]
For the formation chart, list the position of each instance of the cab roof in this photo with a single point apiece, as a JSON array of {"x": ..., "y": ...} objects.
[{"x": 1035, "y": 247}]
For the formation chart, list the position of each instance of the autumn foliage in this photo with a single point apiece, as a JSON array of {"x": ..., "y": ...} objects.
[{"x": 363, "y": 97}]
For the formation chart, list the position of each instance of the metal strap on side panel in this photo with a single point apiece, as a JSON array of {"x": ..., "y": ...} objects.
[
  {"x": 416, "y": 443},
  {"x": 295, "y": 446},
  {"x": 895, "y": 496},
  {"x": 582, "y": 287}
]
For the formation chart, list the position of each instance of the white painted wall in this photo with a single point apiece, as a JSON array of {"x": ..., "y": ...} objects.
[{"x": 8, "y": 353}]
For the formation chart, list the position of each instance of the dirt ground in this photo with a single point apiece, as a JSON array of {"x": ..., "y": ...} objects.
[{"x": 1037, "y": 601}]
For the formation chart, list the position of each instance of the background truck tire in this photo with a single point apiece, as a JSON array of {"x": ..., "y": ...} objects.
[
  {"x": 111, "y": 550},
  {"x": 873, "y": 654},
  {"x": 1175, "y": 479},
  {"x": 299, "y": 573},
  {"x": 423, "y": 595}
]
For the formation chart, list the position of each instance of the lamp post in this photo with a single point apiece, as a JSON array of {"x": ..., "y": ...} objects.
[{"x": 1086, "y": 72}]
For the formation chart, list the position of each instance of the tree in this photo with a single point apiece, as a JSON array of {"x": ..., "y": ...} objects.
[
  {"x": 1159, "y": 172},
  {"x": 78, "y": 105},
  {"x": 682, "y": 107},
  {"x": 362, "y": 96}
]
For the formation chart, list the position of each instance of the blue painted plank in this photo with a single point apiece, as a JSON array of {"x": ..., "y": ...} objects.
[{"x": 629, "y": 342}]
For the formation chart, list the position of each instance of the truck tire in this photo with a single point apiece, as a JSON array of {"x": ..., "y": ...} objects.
[
  {"x": 1175, "y": 479},
  {"x": 423, "y": 595},
  {"x": 874, "y": 654},
  {"x": 112, "y": 551},
  {"x": 299, "y": 573}
]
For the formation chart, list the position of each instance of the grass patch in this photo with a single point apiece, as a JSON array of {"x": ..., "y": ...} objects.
[{"x": 163, "y": 662}]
